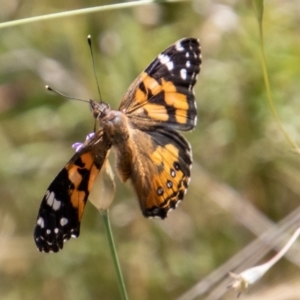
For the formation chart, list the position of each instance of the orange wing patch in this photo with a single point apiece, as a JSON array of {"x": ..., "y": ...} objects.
[
  {"x": 159, "y": 101},
  {"x": 161, "y": 171},
  {"x": 170, "y": 183}
]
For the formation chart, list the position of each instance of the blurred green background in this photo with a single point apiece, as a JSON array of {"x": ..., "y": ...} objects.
[{"x": 245, "y": 179}]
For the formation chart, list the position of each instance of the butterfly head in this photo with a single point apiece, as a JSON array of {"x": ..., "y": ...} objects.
[{"x": 99, "y": 110}]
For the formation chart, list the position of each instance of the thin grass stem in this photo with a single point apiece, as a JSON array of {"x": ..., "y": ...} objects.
[
  {"x": 259, "y": 8},
  {"x": 82, "y": 11},
  {"x": 120, "y": 280}
]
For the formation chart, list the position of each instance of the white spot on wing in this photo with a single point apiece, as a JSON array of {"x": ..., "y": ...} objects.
[
  {"x": 183, "y": 74},
  {"x": 56, "y": 230},
  {"x": 50, "y": 198},
  {"x": 188, "y": 182},
  {"x": 165, "y": 60},
  {"x": 51, "y": 201},
  {"x": 188, "y": 64},
  {"x": 63, "y": 221},
  {"x": 56, "y": 204},
  {"x": 178, "y": 202},
  {"x": 170, "y": 65},
  {"x": 41, "y": 222},
  {"x": 179, "y": 47},
  {"x": 170, "y": 209}
]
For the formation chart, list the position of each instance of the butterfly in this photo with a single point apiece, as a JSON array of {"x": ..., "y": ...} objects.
[{"x": 143, "y": 133}]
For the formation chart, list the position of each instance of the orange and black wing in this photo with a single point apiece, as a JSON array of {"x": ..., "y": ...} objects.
[
  {"x": 163, "y": 94},
  {"x": 159, "y": 102},
  {"x": 161, "y": 170},
  {"x": 63, "y": 204}
]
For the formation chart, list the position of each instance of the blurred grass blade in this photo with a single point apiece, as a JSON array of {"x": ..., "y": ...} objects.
[
  {"x": 259, "y": 11},
  {"x": 82, "y": 11},
  {"x": 259, "y": 7}
]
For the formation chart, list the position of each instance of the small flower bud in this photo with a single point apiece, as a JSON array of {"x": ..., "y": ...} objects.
[{"x": 104, "y": 188}]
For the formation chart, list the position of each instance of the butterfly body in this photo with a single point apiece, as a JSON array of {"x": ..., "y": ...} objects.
[{"x": 143, "y": 133}]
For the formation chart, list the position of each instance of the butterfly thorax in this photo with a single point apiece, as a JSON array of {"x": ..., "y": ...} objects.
[{"x": 116, "y": 127}]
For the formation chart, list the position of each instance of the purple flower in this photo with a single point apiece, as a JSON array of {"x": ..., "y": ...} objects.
[{"x": 78, "y": 146}]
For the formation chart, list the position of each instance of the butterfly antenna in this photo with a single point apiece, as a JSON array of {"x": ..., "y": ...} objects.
[
  {"x": 89, "y": 39},
  {"x": 47, "y": 87}
]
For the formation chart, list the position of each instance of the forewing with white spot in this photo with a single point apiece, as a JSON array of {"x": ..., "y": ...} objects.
[
  {"x": 57, "y": 219},
  {"x": 163, "y": 94}
]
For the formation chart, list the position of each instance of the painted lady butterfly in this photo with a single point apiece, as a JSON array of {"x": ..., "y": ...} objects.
[{"x": 143, "y": 133}]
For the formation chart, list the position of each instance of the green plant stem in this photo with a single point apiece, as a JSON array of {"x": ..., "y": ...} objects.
[
  {"x": 268, "y": 89},
  {"x": 81, "y": 12},
  {"x": 114, "y": 255}
]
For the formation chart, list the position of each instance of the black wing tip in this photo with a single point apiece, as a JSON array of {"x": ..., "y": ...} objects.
[
  {"x": 53, "y": 242},
  {"x": 162, "y": 212},
  {"x": 47, "y": 246},
  {"x": 155, "y": 212},
  {"x": 190, "y": 39}
]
